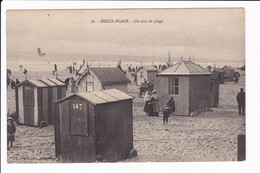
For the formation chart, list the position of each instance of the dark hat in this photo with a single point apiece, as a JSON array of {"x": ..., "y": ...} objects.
[{"x": 241, "y": 89}]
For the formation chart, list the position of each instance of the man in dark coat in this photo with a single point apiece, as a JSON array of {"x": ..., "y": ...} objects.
[
  {"x": 241, "y": 101},
  {"x": 12, "y": 84},
  {"x": 10, "y": 132}
]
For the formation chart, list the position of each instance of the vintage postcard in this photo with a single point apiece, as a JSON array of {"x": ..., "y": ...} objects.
[{"x": 125, "y": 85}]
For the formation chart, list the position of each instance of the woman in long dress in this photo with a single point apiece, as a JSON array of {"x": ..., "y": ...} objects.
[
  {"x": 148, "y": 109},
  {"x": 155, "y": 103}
]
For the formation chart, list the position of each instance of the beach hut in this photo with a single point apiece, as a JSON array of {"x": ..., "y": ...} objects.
[
  {"x": 96, "y": 79},
  {"x": 56, "y": 91},
  {"x": 35, "y": 98},
  {"x": 31, "y": 102},
  {"x": 228, "y": 73},
  {"x": 145, "y": 73},
  {"x": 215, "y": 79},
  {"x": 188, "y": 83},
  {"x": 94, "y": 126}
]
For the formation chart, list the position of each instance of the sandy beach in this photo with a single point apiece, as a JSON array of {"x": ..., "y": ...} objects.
[{"x": 209, "y": 136}]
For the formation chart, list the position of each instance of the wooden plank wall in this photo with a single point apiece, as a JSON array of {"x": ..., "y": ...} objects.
[
  {"x": 161, "y": 84},
  {"x": 114, "y": 130},
  {"x": 54, "y": 99},
  {"x": 63, "y": 92},
  {"x": 36, "y": 118},
  {"x": 45, "y": 105},
  {"x": 121, "y": 87},
  {"x": 182, "y": 100},
  {"x": 57, "y": 129},
  {"x": 40, "y": 104},
  {"x": 151, "y": 75},
  {"x": 16, "y": 102},
  {"x": 76, "y": 148},
  {"x": 20, "y": 104},
  {"x": 50, "y": 110},
  {"x": 199, "y": 93}
]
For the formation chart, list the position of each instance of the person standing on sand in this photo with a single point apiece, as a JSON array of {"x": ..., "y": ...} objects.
[
  {"x": 166, "y": 114},
  {"x": 241, "y": 101},
  {"x": 12, "y": 84},
  {"x": 148, "y": 109},
  {"x": 10, "y": 132},
  {"x": 155, "y": 103}
]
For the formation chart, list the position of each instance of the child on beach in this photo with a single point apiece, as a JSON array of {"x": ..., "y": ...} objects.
[
  {"x": 166, "y": 114},
  {"x": 10, "y": 132},
  {"x": 171, "y": 103}
]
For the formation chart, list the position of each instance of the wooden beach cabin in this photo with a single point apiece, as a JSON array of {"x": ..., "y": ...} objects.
[
  {"x": 96, "y": 79},
  {"x": 94, "y": 125},
  {"x": 147, "y": 73},
  {"x": 188, "y": 83},
  {"x": 35, "y": 98},
  {"x": 56, "y": 91},
  {"x": 31, "y": 102},
  {"x": 228, "y": 73},
  {"x": 215, "y": 79}
]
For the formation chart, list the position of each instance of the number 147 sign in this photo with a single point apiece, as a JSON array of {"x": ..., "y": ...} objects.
[{"x": 77, "y": 106}]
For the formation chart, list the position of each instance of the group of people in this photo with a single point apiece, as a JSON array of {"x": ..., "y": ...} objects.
[
  {"x": 151, "y": 107},
  {"x": 12, "y": 83}
]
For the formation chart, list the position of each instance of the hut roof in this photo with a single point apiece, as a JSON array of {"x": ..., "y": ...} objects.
[
  {"x": 57, "y": 82},
  {"x": 227, "y": 67},
  {"x": 148, "y": 68},
  {"x": 35, "y": 83},
  {"x": 185, "y": 68},
  {"x": 47, "y": 82},
  {"x": 100, "y": 97},
  {"x": 106, "y": 75}
]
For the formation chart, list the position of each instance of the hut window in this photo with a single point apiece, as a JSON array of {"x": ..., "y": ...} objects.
[
  {"x": 90, "y": 86},
  {"x": 142, "y": 74},
  {"x": 174, "y": 86},
  {"x": 211, "y": 87},
  {"x": 78, "y": 118}
]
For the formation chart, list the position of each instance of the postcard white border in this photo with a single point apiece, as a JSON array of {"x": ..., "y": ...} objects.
[{"x": 252, "y": 10}]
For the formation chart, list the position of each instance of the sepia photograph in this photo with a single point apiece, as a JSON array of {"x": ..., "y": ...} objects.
[{"x": 125, "y": 85}]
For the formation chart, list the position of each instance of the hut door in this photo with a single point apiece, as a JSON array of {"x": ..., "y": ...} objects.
[
  {"x": 28, "y": 101},
  {"x": 78, "y": 118}
]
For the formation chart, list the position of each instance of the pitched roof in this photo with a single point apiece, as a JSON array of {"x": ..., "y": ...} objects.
[
  {"x": 101, "y": 97},
  {"x": 83, "y": 67},
  {"x": 35, "y": 83},
  {"x": 107, "y": 75},
  {"x": 47, "y": 82},
  {"x": 52, "y": 82},
  {"x": 148, "y": 68},
  {"x": 228, "y": 67},
  {"x": 185, "y": 68},
  {"x": 57, "y": 82}
]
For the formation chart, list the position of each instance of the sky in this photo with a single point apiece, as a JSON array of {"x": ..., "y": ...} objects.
[{"x": 216, "y": 34}]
